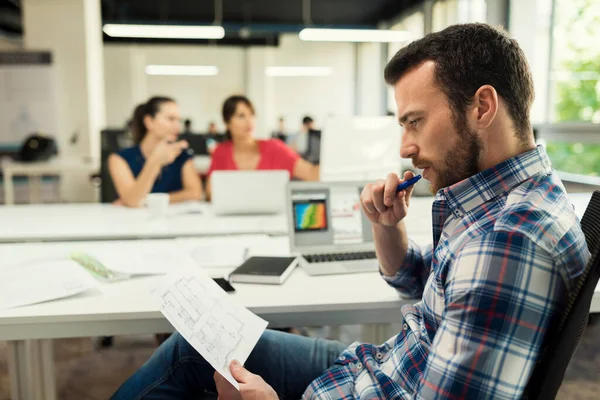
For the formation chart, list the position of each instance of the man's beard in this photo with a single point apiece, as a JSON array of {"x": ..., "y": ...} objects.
[{"x": 460, "y": 162}]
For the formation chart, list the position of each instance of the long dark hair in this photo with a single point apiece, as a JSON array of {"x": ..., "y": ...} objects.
[
  {"x": 151, "y": 108},
  {"x": 229, "y": 107}
]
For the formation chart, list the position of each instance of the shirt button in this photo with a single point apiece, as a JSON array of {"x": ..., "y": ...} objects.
[
  {"x": 342, "y": 358},
  {"x": 404, "y": 326},
  {"x": 359, "y": 366},
  {"x": 379, "y": 356}
]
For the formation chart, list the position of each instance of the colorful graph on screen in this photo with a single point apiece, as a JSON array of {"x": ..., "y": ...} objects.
[{"x": 310, "y": 216}]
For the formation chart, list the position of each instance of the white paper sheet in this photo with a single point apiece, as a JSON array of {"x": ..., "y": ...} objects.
[
  {"x": 145, "y": 261},
  {"x": 40, "y": 281},
  {"x": 226, "y": 254},
  {"x": 212, "y": 321}
]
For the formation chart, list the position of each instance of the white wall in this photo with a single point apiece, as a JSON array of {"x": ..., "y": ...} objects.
[
  {"x": 240, "y": 71},
  {"x": 319, "y": 97},
  {"x": 199, "y": 97}
]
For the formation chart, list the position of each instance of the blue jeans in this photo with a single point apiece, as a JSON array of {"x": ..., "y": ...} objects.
[{"x": 289, "y": 363}]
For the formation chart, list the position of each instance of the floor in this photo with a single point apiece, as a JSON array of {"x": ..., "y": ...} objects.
[{"x": 84, "y": 373}]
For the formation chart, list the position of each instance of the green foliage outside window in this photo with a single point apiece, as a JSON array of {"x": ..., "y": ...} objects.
[{"x": 576, "y": 81}]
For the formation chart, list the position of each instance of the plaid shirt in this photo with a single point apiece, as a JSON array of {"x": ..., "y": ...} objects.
[{"x": 506, "y": 248}]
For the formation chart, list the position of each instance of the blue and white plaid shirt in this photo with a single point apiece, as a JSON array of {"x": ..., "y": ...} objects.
[{"x": 506, "y": 248}]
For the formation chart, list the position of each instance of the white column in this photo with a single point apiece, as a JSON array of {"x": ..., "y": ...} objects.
[
  {"x": 71, "y": 30},
  {"x": 530, "y": 25},
  {"x": 370, "y": 82},
  {"x": 496, "y": 12},
  {"x": 259, "y": 88}
]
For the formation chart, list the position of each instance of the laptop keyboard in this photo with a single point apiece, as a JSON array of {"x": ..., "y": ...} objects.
[{"x": 331, "y": 257}]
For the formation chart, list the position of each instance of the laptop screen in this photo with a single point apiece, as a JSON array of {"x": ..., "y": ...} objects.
[{"x": 329, "y": 216}]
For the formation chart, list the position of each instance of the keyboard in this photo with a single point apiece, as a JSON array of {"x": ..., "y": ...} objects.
[{"x": 332, "y": 257}]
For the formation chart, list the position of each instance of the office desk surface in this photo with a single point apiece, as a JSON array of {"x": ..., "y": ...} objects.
[
  {"x": 54, "y": 222},
  {"x": 62, "y": 222},
  {"x": 126, "y": 307}
]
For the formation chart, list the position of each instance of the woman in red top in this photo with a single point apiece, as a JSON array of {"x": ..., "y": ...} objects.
[{"x": 243, "y": 152}]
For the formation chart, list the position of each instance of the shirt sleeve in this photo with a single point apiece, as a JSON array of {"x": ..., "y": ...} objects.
[
  {"x": 500, "y": 297},
  {"x": 413, "y": 273},
  {"x": 283, "y": 156}
]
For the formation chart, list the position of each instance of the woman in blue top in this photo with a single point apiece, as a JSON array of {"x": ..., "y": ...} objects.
[{"x": 157, "y": 163}]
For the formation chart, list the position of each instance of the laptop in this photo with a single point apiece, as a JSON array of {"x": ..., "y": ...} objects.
[
  {"x": 328, "y": 229},
  {"x": 248, "y": 192}
]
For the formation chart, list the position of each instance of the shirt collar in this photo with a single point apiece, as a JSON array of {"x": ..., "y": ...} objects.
[{"x": 468, "y": 194}]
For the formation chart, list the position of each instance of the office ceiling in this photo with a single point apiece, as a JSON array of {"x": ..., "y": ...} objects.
[
  {"x": 264, "y": 17},
  {"x": 325, "y": 12}
]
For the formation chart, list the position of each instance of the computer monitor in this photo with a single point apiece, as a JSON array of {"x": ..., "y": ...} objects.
[
  {"x": 327, "y": 216},
  {"x": 360, "y": 148},
  {"x": 248, "y": 192}
]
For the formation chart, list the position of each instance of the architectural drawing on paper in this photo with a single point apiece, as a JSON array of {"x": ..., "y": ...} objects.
[{"x": 212, "y": 324}]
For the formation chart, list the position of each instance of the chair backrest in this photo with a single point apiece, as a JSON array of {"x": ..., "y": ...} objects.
[
  {"x": 313, "y": 148},
  {"x": 112, "y": 140},
  {"x": 563, "y": 340}
]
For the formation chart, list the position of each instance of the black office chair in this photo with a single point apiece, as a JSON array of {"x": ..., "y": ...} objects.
[
  {"x": 313, "y": 149},
  {"x": 564, "y": 339},
  {"x": 112, "y": 140}
]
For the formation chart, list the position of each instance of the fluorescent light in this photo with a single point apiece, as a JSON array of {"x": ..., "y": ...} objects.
[
  {"x": 164, "y": 31},
  {"x": 182, "y": 70},
  {"x": 354, "y": 35},
  {"x": 298, "y": 71}
]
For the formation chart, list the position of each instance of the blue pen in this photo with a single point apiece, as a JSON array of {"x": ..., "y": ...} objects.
[{"x": 408, "y": 183}]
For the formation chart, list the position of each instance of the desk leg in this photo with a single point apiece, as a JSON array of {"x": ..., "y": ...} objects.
[
  {"x": 35, "y": 189},
  {"x": 9, "y": 189},
  {"x": 31, "y": 369},
  {"x": 376, "y": 333}
]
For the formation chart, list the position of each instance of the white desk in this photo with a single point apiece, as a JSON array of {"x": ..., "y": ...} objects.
[
  {"x": 62, "y": 222},
  {"x": 34, "y": 171},
  {"x": 54, "y": 222},
  {"x": 127, "y": 308}
]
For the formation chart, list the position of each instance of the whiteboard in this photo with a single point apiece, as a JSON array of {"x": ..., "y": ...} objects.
[{"x": 27, "y": 97}]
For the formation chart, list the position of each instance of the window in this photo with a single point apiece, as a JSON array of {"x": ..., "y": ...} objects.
[
  {"x": 575, "y": 68},
  {"x": 575, "y": 83}
]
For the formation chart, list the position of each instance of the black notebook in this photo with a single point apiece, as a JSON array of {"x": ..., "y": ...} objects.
[{"x": 274, "y": 270}]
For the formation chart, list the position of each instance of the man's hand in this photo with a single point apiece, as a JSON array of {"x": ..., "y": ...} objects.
[
  {"x": 252, "y": 387},
  {"x": 382, "y": 205}
]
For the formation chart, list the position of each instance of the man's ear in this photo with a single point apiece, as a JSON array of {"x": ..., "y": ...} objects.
[{"x": 485, "y": 103}]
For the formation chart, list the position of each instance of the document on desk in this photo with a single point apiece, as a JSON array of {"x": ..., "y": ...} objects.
[
  {"x": 217, "y": 255},
  {"x": 145, "y": 261},
  {"x": 40, "y": 281},
  {"x": 212, "y": 321}
]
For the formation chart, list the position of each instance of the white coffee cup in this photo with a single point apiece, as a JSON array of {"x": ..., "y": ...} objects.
[{"x": 157, "y": 204}]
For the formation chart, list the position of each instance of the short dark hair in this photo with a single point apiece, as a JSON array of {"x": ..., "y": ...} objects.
[
  {"x": 466, "y": 57},
  {"x": 151, "y": 108},
  {"x": 307, "y": 120},
  {"x": 230, "y": 105}
]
